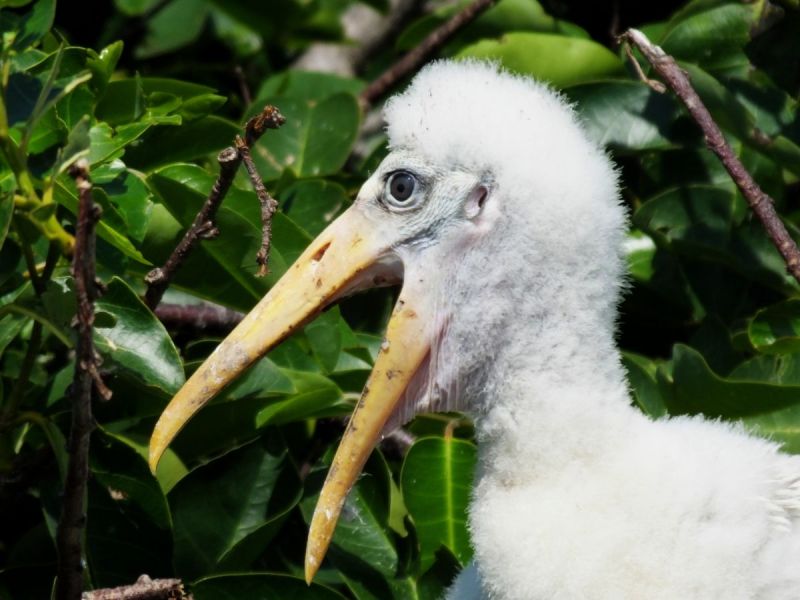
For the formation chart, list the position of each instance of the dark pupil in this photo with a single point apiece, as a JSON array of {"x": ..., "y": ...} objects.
[{"x": 402, "y": 186}]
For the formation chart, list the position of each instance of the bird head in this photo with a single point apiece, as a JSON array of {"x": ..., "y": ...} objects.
[{"x": 493, "y": 209}]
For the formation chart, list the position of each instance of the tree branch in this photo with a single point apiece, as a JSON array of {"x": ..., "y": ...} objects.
[
  {"x": 414, "y": 59},
  {"x": 198, "y": 316},
  {"x": 268, "y": 205},
  {"x": 69, "y": 537},
  {"x": 144, "y": 589},
  {"x": 203, "y": 226},
  {"x": 762, "y": 205}
]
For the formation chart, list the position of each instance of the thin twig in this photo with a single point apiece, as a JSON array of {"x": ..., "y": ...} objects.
[
  {"x": 69, "y": 537},
  {"x": 203, "y": 226},
  {"x": 762, "y": 205},
  {"x": 268, "y": 205},
  {"x": 414, "y": 59},
  {"x": 198, "y": 316},
  {"x": 144, "y": 589}
]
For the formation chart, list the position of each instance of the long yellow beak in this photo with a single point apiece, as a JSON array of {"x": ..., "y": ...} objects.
[
  {"x": 333, "y": 265},
  {"x": 332, "y": 262}
]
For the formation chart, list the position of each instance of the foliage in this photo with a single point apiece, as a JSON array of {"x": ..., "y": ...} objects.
[{"x": 711, "y": 323}]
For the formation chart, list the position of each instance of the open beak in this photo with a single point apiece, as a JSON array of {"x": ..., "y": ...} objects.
[{"x": 350, "y": 254}]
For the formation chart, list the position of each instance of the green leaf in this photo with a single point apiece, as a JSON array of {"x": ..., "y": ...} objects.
[
  {"x": 170, "y": 468},
  {"x": 10, "y": 326},
  {"x": 557, "y": 59},
  {"x": 626, "y": 115},
  {"x": 232, "y": 501},
  {"x": 223, "y": 269},
  {"x": 644, "y": 387},
  {"x": 119, "y": 467},
  {"x": 260, "y": 586},
  {"x": 109, "y": 144},
  {"x": 695, "y": 388},
  {"x": 125, "y": 100},
  {"x": 305, "y": 85},
  {"x": 315, "y": 140},
  {"x": 6, "y": 212},
  {"x": 77, "y": 146},
  {"x": 314, "y": 203},
  {"x": 503, "y": 17},
  {"x": 176, "y": 25},
  {"x": 704, "y": 222},
  {"x": 776, "y": 329},
  {"x": 436, "y": 480},
  {"x": 122, "y": 541},
  {"x": 127, "y": 191},
  {"x": 362, "y": 540},
  {"x": 782, "y": 426},
  {"x": 134, "y": 8},
  {"x": 325, "y": 337},
  {"x": 711, "y": 33},
  {"x": 315, "y": 397},
  {"x": 135, "y": 341},
  {"x": 193, "y": 140},
  {"x": 35, "y": 24},
  {"x": 641, "y": 252},
  {"x": 102, "y": 65},
  {"x": 66, "y": 197}
]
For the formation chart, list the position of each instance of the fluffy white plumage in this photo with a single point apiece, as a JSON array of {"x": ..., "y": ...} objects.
[{"x": 578, "y": 495}]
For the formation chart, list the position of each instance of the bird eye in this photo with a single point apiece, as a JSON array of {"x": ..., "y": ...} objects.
[{"x": 401, "y": 187}]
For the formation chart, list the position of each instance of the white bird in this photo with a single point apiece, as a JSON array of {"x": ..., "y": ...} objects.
[{"x": 504, "y": 223}]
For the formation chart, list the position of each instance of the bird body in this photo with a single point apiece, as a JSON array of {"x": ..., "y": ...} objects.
[
  {"x": 578, "y": 494},
  {"x": 504, "y": 223}
]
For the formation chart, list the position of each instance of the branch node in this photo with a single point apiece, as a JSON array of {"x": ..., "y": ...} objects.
[
  {"x": 653, "y": 84},
  {"x": 203, "y": 226}
]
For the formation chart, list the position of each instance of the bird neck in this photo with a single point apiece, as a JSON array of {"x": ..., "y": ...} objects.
[{"x": 553, "y": 397}]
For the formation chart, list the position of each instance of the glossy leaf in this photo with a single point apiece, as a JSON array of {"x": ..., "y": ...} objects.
[
  {"x": 35, "y": 24},
  {"x": 696, "y": 389},
  {"x": 712, "y": 33},
  {"x": 643, "y": 384},
  {"x": 306, "y": 85},
  {"x": 227, "y": 502},
  {"x": 132, "y": 339},
  {"x": 579, "y": 60},
  {"x": 436, "y": 482},
  {"x": 66, "y": 197},
  {"x": 776, "y": 329},
  {"x": 315, "y": 140},
  {"x": 626, "y": 115},
  {"x": 196, "y": 139},
  {"x": 120, "y": 468},
  {"x": 362, "y": 531},
  {"x": 314, "y": 203}
]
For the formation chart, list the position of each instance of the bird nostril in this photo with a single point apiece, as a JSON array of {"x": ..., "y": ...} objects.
[{"x": 321, "y": 252}]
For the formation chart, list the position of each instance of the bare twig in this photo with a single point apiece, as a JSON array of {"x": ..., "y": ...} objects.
[
  {"x": 203, "y": 227},
  {"x": 761, "y": 203},
  {"x": 198, "y": 316},
  {"x": 268, "y": 205},
  {"x": 69, "y": 537},
  {"x": 414, "y": 59},
  {"x": 144, "y": 589}
]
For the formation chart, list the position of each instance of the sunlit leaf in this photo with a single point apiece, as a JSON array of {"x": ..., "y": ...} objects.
[
  {"x": 134, "y": 340},
  {"x": 436, "y": 481},
  {"x": 560, "y": 60}
]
